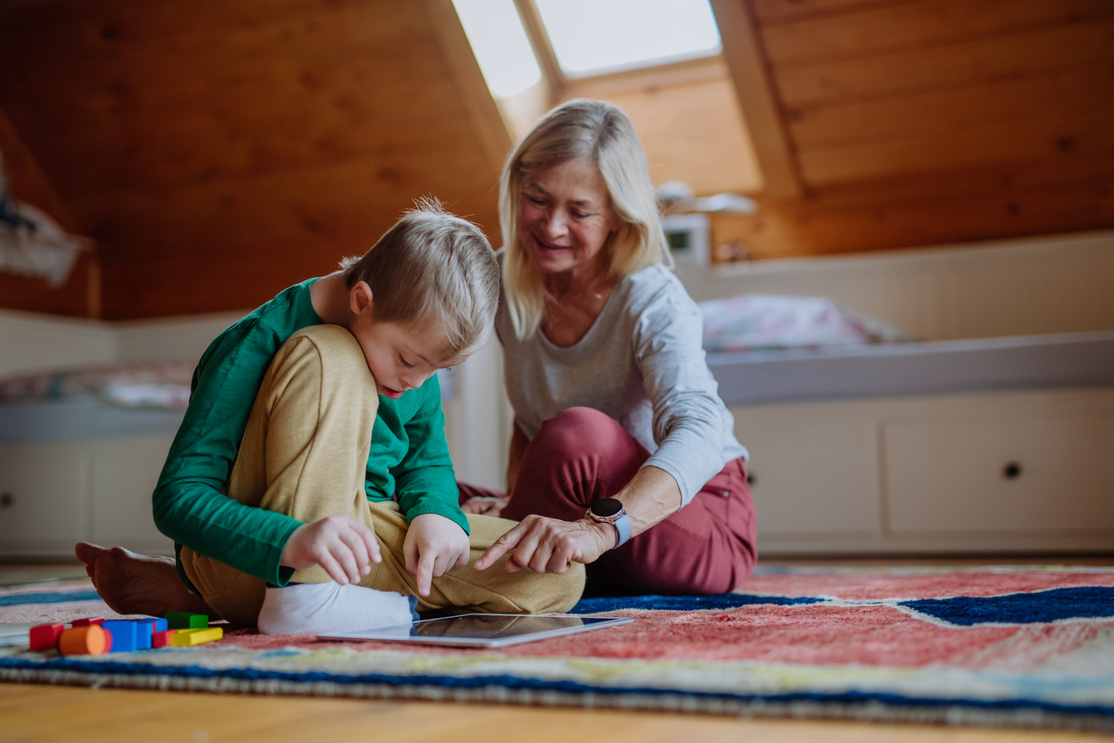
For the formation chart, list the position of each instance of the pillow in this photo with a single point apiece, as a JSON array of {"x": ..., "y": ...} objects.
[
  {"x": 766, "y": 321},
  {"x": 162, "y": 384}
]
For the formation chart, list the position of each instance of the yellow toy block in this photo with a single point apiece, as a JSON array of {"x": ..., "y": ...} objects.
[{"x": 187, "y": 637}]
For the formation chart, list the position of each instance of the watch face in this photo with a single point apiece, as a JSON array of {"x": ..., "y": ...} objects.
[{"x": 607, "y": 507}]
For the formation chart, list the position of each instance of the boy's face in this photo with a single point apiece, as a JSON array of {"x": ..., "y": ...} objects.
[{"x": 400, "y": 357}]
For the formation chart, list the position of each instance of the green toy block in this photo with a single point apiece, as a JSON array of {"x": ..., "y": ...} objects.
[{"x": 185, "y": 620}]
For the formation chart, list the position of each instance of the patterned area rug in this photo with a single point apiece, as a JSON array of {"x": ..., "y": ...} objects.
[{"x": 1013, "y": 646}]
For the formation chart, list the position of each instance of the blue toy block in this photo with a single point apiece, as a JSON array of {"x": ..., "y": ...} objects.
[
  {"x": 124, "y": 635},
  {"x": 158, "y": 624},
  {"x": 146, "y": 629}
]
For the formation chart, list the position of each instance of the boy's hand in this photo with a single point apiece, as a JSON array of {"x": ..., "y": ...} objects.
[
  {"x": 344, "y": 547},
  {"x": 434, "y": 545}
]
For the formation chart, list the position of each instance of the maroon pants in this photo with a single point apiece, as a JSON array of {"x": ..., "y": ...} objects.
[{"x": 581, "y": 456}]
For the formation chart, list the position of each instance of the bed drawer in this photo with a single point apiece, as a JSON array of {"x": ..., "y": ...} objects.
[
  {"x": 1018, "y": 474},
  {"x": 44, "y": 491},
  {"x": 812, "y": 474},
  {"x": 54, "y": 494}
]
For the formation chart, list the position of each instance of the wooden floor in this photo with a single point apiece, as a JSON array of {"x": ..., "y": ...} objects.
[{"x": 30, "y": 712}]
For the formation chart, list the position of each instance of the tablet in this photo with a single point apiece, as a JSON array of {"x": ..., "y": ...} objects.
[
  {"x": 15, "y": 634},
  {"x": 483, "y": 630}
]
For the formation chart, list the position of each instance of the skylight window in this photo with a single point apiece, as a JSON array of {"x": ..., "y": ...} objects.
[
  {"x": 500, "y": 45},
  {"x": 596, "y": 36},
  {"x": 571, "y": 39}
]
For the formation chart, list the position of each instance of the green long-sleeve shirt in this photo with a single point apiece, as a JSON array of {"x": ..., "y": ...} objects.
[{"x": 409, "y": 459}]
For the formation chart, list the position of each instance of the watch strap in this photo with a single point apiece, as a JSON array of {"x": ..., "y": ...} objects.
[
  {"x": 618, "y": 519},
  {"x": 622, "y": 526}
]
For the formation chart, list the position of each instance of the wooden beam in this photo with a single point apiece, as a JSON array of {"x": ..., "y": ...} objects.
[
  {"x": 760, "y": 109},
  {"x": 487, "y": 121},
  {"x": 534, "y": 26}
]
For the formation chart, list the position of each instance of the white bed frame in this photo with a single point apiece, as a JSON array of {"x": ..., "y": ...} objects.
[
  {"x": 1013, "y": 461},
  {"x": 893, "y": 475}
]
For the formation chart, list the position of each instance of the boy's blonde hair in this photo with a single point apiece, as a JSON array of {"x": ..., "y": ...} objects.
[
  {"x": 600, "y": 133},
  {"x": 432, "y": 266}
]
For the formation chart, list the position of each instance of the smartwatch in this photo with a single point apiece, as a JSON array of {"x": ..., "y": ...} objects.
[{"x": 610, "y": 511}]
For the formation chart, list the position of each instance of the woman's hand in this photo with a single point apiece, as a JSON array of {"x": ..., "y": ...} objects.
[
  {"x": 344, "y": 547},
  {"x": 484, "y": 505},
  {"x": 545, "y": 545},
  {"x": 434, "y": 545}
]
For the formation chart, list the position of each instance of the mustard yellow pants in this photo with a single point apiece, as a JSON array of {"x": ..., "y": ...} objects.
[{"x": 305, "y": 452}]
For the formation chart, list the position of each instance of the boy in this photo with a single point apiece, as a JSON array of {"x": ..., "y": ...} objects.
[{"x": 309, "y": 488}]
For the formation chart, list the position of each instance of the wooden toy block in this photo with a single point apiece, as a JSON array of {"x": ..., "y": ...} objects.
[
  {"x": 45, "y": 636},
  {"x": 90, "y": 639},
  {"x": 144, "y": 631},
  {"x": 158, "y": 624},
  {"x": 161, "y": 638},
  {"x": 123, "y": 633},
  {"x": 188, "y": 637},
  {"x": 87, "y": 622},
  {"x": 185, "y": 620}
]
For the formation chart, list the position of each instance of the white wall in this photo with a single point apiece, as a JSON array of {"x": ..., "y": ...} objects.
[
  {"x": 177, "y": 338},
  {"x": 477, "y": 419},
  {"x": 31, "y": 342}
]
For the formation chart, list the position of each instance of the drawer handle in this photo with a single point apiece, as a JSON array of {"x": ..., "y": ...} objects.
[
  {"x": 1011, "y": 471},
  {"x": 7, "y": 500}
]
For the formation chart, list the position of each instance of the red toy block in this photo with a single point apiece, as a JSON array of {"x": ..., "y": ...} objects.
[
  {"x": 45, "y": 636},
  {"x": 161, "y": 638},
  {"x": 87, "y": 622},
  {"x": 88, "y": 640}
]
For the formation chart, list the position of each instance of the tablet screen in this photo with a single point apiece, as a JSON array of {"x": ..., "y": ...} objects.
[{"x": 483, "y": 630}]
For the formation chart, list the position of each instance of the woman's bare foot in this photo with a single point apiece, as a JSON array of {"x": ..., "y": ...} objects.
[{"x": 131, "y": 583}]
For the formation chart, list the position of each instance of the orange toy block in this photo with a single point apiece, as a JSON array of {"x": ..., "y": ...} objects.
[
  {"x": 88, "y": 640},
  {"x": 45, "y": 636},
  {"x": 187, "y": 637}
]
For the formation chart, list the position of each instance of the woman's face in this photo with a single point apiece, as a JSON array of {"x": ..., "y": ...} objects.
[{"x": 564, "y": 219}]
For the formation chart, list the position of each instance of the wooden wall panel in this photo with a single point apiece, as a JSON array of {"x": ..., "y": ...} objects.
[
  {"x": 919, "y": 122},
  {"x": 220, "y": 151},
  {"x": 861, "y": 29},
  {"x": 997, "y": 58},
  {"x": 694, "y": 133}
]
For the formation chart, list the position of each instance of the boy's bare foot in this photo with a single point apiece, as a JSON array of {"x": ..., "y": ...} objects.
[{"x": 131, "y": 583}]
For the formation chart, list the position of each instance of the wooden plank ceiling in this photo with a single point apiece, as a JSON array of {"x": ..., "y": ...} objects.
[
  {"x": 220, "y": 150},
  {"x": 919, "y": 122}
]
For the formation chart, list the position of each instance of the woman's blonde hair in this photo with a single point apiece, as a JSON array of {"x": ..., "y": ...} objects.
[
  {"x": 432, "y": 267},
  {"x": 600, "y": 133}
]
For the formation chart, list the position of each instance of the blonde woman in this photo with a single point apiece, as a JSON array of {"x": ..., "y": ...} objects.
[{"x": 623, "y": 456}]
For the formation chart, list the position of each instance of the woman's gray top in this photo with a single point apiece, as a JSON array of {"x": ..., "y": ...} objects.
[{"x": 641, "y": 363}]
